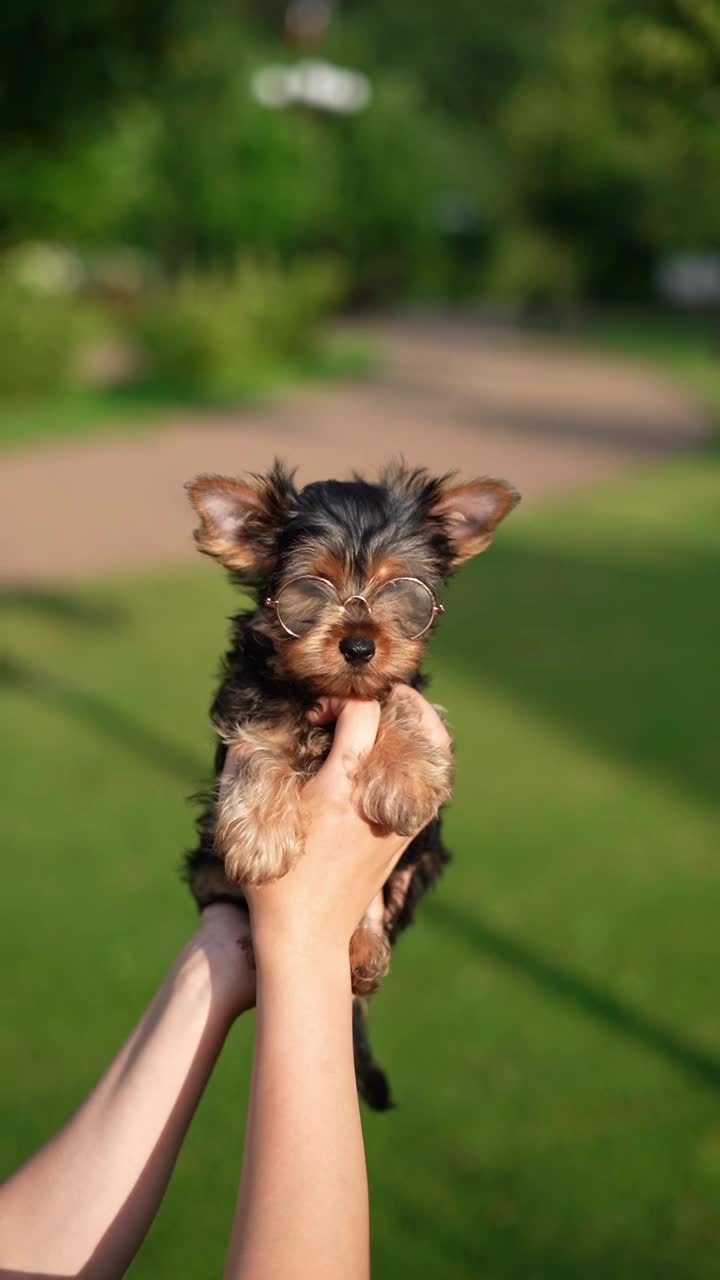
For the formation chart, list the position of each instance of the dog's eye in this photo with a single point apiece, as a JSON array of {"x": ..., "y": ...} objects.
[
  {"x": 301, "y": 604},
  {"x": 407, "y": 603}
]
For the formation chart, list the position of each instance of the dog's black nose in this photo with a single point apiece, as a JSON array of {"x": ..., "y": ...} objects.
[{"x": 357, "y": 648}]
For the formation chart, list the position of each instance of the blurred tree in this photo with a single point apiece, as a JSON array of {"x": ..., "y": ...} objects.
[
  {"x": 575, "y": 182},
  {"x": 196, "y": 170},
  {"x": 59, "y": 61},
  {"x": 665, "y": 71},
  {"x": 466, "y": 57},
  {"x": 611, "y": 152},
  {"x": 549, "y": 153}
]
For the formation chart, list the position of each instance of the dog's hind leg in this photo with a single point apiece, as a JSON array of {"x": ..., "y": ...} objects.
[
  {"x": 370, "y": 950},
  {"x": 372, "y": 1082}
]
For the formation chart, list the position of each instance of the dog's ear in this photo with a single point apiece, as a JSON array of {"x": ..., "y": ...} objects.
[
  {"x": 471, "y": 513},
  {"x": 238, "y": 522}
]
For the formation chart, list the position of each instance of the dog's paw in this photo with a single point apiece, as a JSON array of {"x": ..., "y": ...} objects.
[
  {"x": 402, "y": 784},
  {"x": 254, "y": 850},
  {"x": 369, "y": 959},
  {"x": 256, "y": 845},
  {"x": 259, "y": 831},
  {"x": 404, "y": 780}
]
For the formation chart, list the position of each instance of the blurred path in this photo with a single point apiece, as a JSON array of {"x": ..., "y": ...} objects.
[{"x": 450, "y": 396}]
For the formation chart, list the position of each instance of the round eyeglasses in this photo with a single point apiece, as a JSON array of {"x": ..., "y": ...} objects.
[{"x": 406, "y": 603}]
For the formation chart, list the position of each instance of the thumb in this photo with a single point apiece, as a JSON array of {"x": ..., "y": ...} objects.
[{"x": 355, "y": 733}]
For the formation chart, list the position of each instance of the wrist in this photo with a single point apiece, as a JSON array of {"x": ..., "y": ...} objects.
[
  {"x": 217, "y": 973},
  {"x": 300, "y": 954}
]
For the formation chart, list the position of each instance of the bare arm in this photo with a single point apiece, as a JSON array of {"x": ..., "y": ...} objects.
[
  {"x": 303, "y": 1202},
  {"x": 84, "y": 1202}
]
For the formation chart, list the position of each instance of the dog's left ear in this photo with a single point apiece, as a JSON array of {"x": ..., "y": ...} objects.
[
  {"x": 239, "y": 523},
  {"x": 471, "y": 513}
]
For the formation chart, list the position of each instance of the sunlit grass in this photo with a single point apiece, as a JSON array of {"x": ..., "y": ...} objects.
[{"x": 551, "y": 1025}]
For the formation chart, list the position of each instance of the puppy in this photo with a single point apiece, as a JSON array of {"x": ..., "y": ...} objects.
[{"x": 347, "y": 576}]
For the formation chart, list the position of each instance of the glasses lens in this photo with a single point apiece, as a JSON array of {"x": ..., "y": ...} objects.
[
  {"x": 302, "y": 603},
  {"x": 407, "y": 604}
]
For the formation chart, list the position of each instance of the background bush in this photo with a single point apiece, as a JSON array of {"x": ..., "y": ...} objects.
[
  {"x": 221, "y": 335},
  {"x": 39, "y": 335},
  {"x": 559, "y": 153}
]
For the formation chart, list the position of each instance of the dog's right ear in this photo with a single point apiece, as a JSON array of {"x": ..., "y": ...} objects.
[{"x": 238, "y": 524}]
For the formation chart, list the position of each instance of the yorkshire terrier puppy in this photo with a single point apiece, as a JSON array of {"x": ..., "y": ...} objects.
[{"x": 346, "y": 576}]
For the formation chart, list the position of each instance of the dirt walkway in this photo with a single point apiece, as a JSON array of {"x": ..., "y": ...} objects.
[{"x": 477, "y": 400}]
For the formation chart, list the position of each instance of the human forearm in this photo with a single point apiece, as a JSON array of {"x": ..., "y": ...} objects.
[
  {"x": 86, "y": 1200},
  {"x": 303, "y": 1203},
  {"x": 302, "y": 1207}
]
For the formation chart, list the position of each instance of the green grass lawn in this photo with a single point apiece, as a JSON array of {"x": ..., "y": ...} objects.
[{"x": 552, "y": 1023}]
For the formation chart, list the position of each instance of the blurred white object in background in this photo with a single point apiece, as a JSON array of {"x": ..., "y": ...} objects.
[
  {"x": 42, "y": 266},
  {"x": 690, "y": 279},
  {"x": 312, "y": 83}
]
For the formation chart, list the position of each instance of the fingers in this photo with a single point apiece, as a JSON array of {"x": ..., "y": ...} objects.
[
  {"x": 328, "y": 709},
  {"x": 355, "y": 732}
]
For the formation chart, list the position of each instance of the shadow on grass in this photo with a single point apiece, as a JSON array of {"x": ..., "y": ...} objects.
[
  {"x": 62, "y": 606},
  {"x": 103, "y": 718},
  {"x": 576, "y": 991},
  {"x": 88, "y": 708},
  {"x": 124, "y": 1234},
  {"x": 621, "y": 652}
]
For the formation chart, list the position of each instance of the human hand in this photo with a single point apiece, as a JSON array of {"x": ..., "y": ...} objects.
[
  {"x": 316, "y": 906},
  {"x": 220, "y": 952}
]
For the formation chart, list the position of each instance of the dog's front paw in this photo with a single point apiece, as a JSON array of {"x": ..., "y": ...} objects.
[
  {"x": 404, "y": 795},
  {"x": 253, "y": 854},
  {"x": 405, "y": 779},
  {"x": 369, "y": 959},
  {"x": 259, "y": 832}
]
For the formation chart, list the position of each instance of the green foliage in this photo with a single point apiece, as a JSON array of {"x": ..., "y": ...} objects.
[
  {"x": 664, "y": 65},
  {"x": 38, "y": 336},
  {"x": 531, "y": 266},
  {"x": 222, "y": 174},
  {"x": 218, "y": 335},
  {"x": 467, "y": 58},
  {"x": 199, "y": 172},
  {"x": 612, "y": 150},
  {"x": 581, "y": 141},
  {"x": 388, "y": 166},
  {"x": 61, "y": 62}
]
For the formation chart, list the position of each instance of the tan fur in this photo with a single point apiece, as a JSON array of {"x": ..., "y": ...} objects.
[
  {"x": 236, "y": 541},
  {"x": 472, "y": 512},
  {"x": 369, "y": 958},
  {"x": 316, "y": 660},
  {"x": 260, "y": 831},
  {"x": 404, "y": 780},
  {"x": 313, "y": 558}
]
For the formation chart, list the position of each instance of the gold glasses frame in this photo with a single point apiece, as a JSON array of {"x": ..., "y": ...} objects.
[{"x": 273, "y": 602}]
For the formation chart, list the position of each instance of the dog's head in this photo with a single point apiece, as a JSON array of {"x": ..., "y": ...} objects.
[{"x": 348, "y": 572}]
